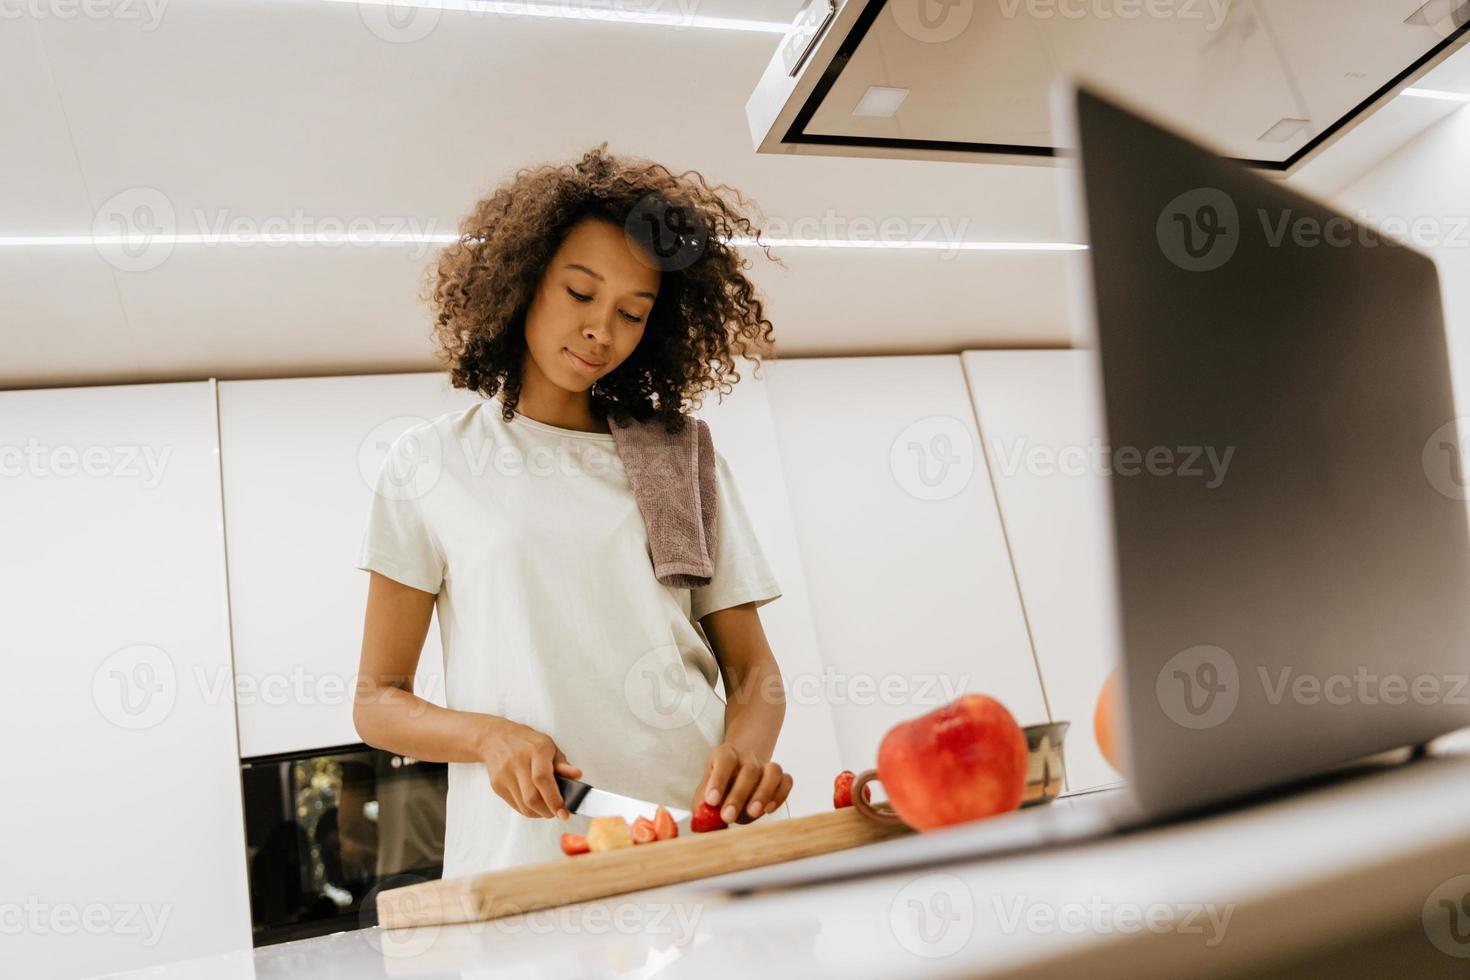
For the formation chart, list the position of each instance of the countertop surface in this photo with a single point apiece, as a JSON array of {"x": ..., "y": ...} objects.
[{"x": 1312, "y": 869}]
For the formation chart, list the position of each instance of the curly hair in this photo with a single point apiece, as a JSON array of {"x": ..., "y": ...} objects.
[{"x": 706, "y": 314}]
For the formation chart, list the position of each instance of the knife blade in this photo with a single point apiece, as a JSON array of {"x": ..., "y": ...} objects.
[{"x": 589, "y": 801}]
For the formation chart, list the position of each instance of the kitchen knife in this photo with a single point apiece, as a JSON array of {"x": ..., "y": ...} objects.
[{"x": 583, "y": 798}]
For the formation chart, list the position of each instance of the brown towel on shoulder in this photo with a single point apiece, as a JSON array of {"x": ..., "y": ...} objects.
[{"x": 673, "y": 480}]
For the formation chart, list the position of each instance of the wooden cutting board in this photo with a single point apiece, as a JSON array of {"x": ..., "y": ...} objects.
[{"x": 627, "y": 869}]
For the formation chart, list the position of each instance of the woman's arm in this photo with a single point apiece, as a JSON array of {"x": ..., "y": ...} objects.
[
  {"x": 389, "y": 715},
  {"x": 755, "y": 706}
]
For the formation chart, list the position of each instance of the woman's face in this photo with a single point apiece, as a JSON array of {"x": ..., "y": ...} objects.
[{"x": 593, "y": 302}]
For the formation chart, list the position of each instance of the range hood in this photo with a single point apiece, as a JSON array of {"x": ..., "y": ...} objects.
[{"x": 1268, "y": 82}]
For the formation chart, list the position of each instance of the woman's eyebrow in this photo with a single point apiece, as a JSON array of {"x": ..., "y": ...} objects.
[{"x": 578, "y": 265}]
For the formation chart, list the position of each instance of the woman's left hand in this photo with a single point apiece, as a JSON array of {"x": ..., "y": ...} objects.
[{"x": 744, "y": 786}]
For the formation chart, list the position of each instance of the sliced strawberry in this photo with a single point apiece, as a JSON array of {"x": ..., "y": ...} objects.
[
  {"x": 664, "y": 824},
  {"x": 574, "y": 844},
  {"x": 706, "y": 817},
  {"x": 644, "y": 831},
  {"x": 842, "y": 790}
]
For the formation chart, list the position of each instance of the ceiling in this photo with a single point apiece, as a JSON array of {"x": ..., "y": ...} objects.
[
  {"x": 241, "y": 115},
  {"x": 1264, "y": 81}
]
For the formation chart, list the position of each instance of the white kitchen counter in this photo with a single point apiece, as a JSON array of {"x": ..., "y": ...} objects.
[{"x": 1314, "y": 870}]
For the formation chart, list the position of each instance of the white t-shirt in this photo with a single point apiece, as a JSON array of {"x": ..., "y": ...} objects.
[{"x": 550, "y": 614}]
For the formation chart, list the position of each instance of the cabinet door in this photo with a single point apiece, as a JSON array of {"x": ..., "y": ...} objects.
[
  {"x": 121, "y": 830},
  {"x": 300, "y": 455},
  {"x": 744, "y": 432},
  {"x": 906, "y": 566},
  {"x": 1041, "y": 427}
]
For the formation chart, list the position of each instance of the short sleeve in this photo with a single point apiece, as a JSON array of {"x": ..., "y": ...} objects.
[
  {"x": 741, "y": 573},
  {"x": 398, "y": 542}
]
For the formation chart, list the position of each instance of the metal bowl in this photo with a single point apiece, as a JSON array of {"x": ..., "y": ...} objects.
[{"x": 1045, "y": 771}]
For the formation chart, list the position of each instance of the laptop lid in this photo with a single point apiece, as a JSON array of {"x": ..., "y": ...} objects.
[{"x": 1291, "y": 571}]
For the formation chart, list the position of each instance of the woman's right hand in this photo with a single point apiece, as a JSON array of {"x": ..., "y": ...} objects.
[{"x": 521, "y": 762}]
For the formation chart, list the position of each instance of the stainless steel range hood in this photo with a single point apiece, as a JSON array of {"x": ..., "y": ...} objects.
[{"x": 1269, "y": 82}]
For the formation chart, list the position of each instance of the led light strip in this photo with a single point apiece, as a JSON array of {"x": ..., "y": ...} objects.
[
  {"x": 570, "y": 11},
  {"x": 23, "y": 241},
  {"x": 1429, "y": 93}
]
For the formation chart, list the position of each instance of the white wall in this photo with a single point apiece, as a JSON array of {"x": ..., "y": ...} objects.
[
  {"x": 1429, "y": 178},
  {"x": 121, "y": 834}
]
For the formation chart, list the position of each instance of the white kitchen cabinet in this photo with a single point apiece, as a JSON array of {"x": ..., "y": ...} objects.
[
  {"x": 909, "y": 580},
  {"x": 121, "y": 838},
  {"x": 300, "y": 457},
  {"x": 744, "y": 432},
  {"x": 1041, "y": 428}
]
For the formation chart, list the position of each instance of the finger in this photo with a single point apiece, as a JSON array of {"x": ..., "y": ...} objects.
[
  {"x": 782, "y": 791},
  {"x": 545, "y": 783},
  {"x": 722, "y": 764},
  {"x": 507, "y": 792},
  {"x": 530, "y": 795},
  {"x": 561, "y": 765},
  {"x": 764, "y": 790},
  {"x": 745, "y": 781}
]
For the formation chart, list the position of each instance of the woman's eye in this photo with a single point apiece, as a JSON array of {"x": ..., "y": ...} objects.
[{"x": 582, "y": 299}]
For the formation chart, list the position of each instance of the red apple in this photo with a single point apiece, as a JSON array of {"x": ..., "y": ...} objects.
[{"x": 962, "y": 762}]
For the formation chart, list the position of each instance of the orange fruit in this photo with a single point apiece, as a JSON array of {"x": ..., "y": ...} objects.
[{"x": 1105, "y": 721}]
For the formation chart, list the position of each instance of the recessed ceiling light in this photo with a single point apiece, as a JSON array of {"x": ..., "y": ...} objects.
[
  {"x": 881, "y": 101},
  {"x": 585, "y": 12},
  {"x": 408, "y": 238},
  {"x": 1429, "y": 93},
  {"x": 1286, "y": 129}
]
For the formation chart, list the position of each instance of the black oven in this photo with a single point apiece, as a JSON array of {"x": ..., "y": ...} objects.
[{"x": 327, "y": 828}]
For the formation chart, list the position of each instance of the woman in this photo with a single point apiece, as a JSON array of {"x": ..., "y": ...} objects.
[{"x": 575, "y": 294}]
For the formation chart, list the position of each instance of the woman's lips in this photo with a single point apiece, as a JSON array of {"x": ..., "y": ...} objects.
[{"x": 587, "y": 366}]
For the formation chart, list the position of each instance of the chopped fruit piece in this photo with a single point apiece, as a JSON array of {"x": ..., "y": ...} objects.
[
  {"x": 644, "y": 831},
  {"x": 842, "y": 790},
  {"x": 664, "y": 824},
  {"x": 706, "y": 817},
  {"x": 574, "y": 844},
  {"x": 606, "y": 833}
]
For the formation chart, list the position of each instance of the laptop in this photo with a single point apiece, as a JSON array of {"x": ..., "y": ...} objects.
[{"x": 1309, "y": 611}]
